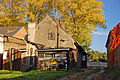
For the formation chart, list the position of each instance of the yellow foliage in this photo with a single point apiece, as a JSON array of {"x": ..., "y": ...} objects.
[
  {"x": 79, "y": 16},
  {"x": 84, "y": 14}
]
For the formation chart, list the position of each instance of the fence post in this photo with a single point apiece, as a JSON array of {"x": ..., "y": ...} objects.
[{"x": 10, "y": 53}]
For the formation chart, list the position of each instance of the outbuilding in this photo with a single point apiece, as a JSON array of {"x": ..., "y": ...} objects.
[{"x": 113, "y": 48}]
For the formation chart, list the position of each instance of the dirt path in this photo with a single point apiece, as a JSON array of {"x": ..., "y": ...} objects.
[
  {"x": 94, "y": 75},
  {"x": 90, "y": 77},
  {"x": 74, "y": 76},
  {"x": 69, "y": 77}
]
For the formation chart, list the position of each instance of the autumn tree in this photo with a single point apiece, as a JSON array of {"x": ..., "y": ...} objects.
[
  {"x": 80, "y": 17},
  {"x": 11, "y": 12},
  {"x": 36, "y": 10},
  {"x": 20, "y": 12}
]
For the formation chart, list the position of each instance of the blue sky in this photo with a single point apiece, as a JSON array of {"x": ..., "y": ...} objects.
[{"x": 112, "y": 16}]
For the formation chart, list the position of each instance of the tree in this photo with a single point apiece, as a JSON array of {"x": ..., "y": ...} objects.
[
  {"x": 12, "y": 12},
  {"x": 97, "y": 56},
  {"x": 36, "y": 10},
  {"x": 80, "y": 17},
  {"x": 20, "y": 12}
]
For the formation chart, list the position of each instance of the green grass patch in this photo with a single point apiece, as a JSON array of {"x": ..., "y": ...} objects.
[
  {"x": 35, "y": 75},
  {"x": 111, "y": 74}
]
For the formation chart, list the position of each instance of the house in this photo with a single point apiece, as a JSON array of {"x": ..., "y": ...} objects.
[
  {"x": 53, "y": 36},
  {"x": 48, "y": 46},
  {"x": 18, "y": 32},
  {"x": 113, "y": 48},
  {"x": 22, "y": 53}
]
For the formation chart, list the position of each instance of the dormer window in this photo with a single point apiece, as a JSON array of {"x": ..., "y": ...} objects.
[{"x": 51, "y": 36}]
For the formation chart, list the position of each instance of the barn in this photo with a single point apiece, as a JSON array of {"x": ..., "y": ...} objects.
[{"x": 113, "y": 48}]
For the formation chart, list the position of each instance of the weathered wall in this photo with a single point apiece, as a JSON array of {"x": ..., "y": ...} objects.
[
  {"x": 1, "y": 44},
  {"x": 75, "y": 57},
  {"x": 108, "y": 52},
  {"x": 31, "y": 31},
  {"x": 30, "y": 57},
  {"x": 10, "y": 42},
  {"x": 117, "y": 58},
  {"x": 48, "y": 28},
  {"x": 21, "y": 33},
  {"x": 27, "y": 58}
]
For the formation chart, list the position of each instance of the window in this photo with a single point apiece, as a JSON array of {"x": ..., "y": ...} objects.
[
  {"x": 83, "y": 58},
  {"x": 51, "y": 36}
]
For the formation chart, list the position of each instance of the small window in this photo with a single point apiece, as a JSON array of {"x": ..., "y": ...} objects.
[
  {"x": 51, "y": 36},
  {"x": 83, "y": 58}
]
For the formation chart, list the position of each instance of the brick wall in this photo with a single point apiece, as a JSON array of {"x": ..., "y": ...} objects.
[
  {"x": 117, "y": 58},
  {"x": 108, "y": 52},
  {"x": 21, "y": 33}
]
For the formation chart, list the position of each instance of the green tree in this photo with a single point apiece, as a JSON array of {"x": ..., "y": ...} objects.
[{"x": 97, "y": 56}]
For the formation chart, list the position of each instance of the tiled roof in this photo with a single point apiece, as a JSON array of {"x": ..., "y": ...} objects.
[{"x": 9, "y": 31}]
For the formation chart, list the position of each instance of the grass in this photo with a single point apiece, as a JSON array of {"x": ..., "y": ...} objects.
[
  {"x": 35, "y": 75},
  {"x": 114, "y": 74},
  {"x": 111, "y": 74}
]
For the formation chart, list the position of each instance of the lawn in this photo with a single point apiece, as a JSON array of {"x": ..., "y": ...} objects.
[{"x": 35, "y": 75}]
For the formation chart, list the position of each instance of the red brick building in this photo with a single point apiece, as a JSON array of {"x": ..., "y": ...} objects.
[
  {"x": 18, "y": 32},
  {"x": 113, "y": 48}
]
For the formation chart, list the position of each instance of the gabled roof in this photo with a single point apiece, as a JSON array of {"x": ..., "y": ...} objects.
[
  {"x": 108, "y": 39},
  {"x": 9, "y": 31},
  {"x": 115, "y": 37}
]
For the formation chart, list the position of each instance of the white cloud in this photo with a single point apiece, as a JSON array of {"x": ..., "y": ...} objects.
[{"x": 100, "y": 33}]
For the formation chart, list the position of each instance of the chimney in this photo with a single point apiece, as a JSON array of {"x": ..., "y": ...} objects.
[{"x": 31, "y": 31}]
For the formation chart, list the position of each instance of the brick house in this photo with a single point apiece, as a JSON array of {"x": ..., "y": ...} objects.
[
  {"x": 18, "y": 32},
  {"x": 113, "y": 48},
  {"x": 46, "y": 33}
]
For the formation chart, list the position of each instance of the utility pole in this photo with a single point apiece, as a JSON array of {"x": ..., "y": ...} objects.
[
  {"x": 57, "y": 36},
  {"x": 54, "y": 7}
]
